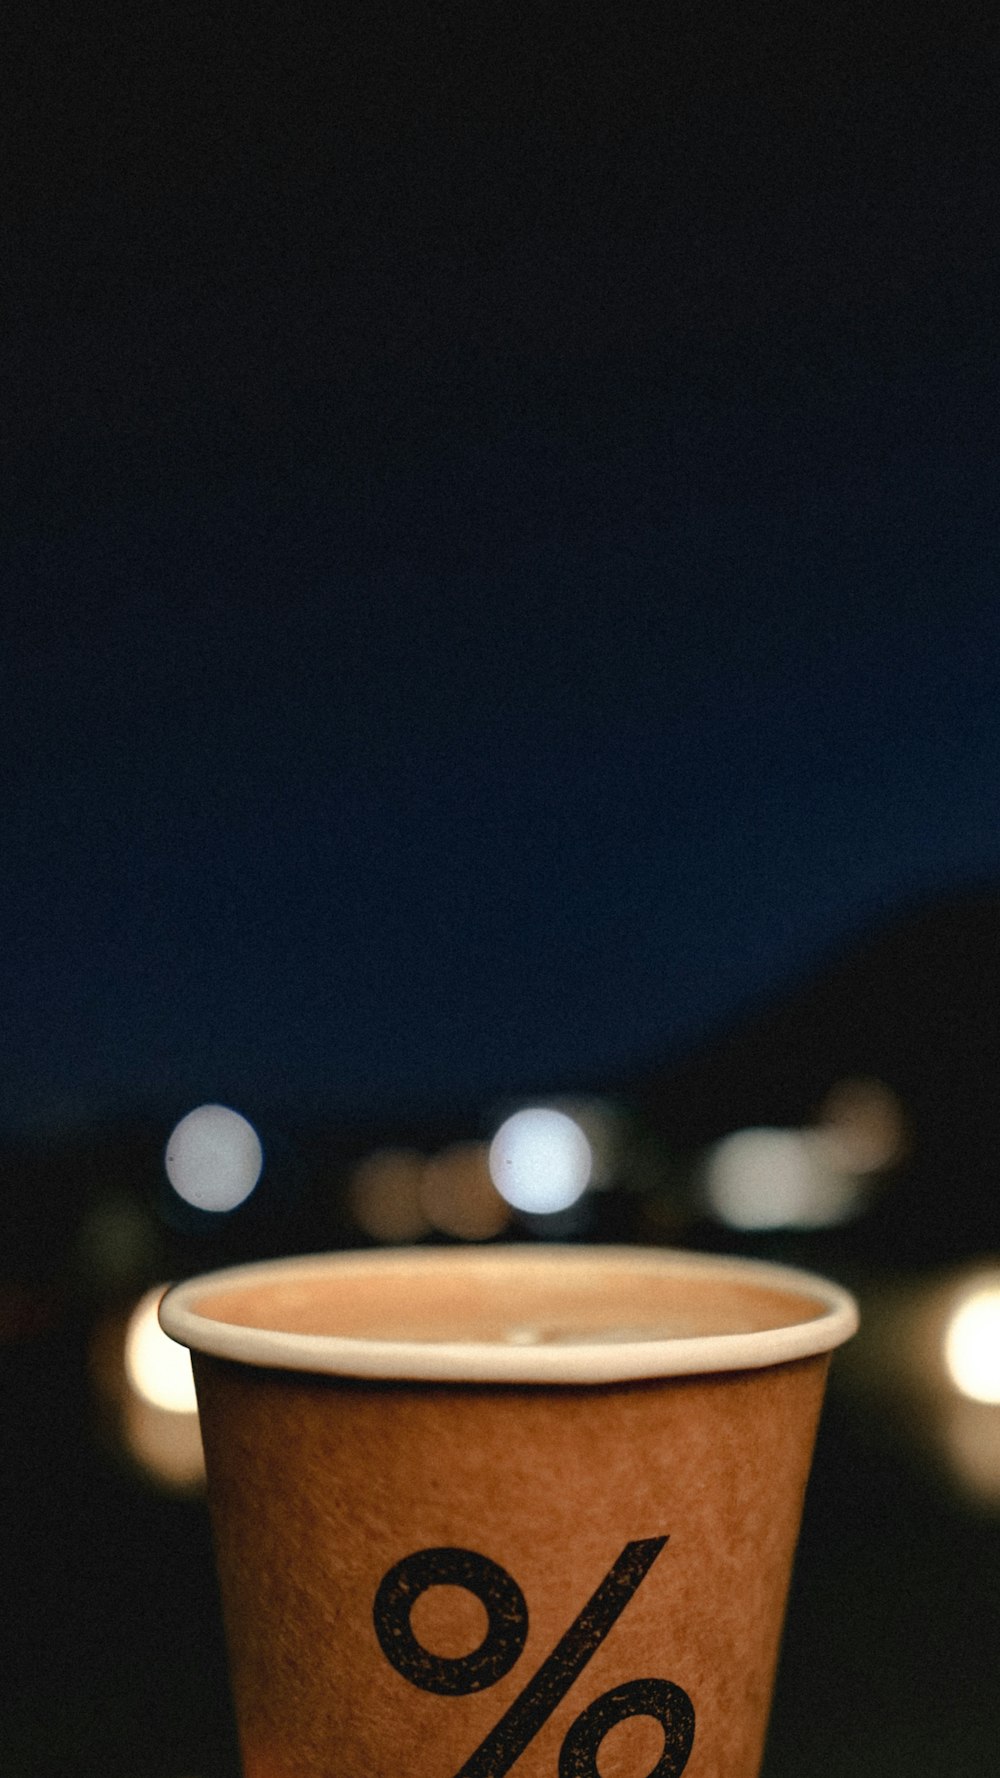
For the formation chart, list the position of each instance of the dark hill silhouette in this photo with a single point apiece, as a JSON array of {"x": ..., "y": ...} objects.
[{"x": 915, "y": 1003}]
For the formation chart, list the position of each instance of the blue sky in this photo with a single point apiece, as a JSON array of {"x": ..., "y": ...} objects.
[
  {"x": 278, "y": 827},
  {"x": 489, "y": 590}
]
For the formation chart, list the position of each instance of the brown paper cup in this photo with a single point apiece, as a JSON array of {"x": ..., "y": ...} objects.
[{"x": 506, "y": 1509}]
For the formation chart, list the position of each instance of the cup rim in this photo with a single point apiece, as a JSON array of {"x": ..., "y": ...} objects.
[{"x": 583, "y": 1362}]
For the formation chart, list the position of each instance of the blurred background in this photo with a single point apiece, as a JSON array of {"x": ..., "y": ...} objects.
[{"x": 499, "y": 557}]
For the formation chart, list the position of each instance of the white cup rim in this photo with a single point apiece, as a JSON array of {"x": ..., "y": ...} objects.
[{"x": 584, "y": 1361}]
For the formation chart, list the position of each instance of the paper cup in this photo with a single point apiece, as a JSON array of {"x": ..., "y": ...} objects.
[{"x": 526, "y": 1509}]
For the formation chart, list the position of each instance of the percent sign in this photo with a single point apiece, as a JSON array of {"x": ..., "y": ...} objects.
[{"x": 507, "y": 1613}]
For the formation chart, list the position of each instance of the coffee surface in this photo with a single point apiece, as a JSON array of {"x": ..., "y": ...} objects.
[{"x": 452, "y": 1301}]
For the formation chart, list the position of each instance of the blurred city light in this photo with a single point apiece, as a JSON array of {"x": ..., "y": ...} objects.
[
  {"x": 972, "y": 1342},
  {"x": 771, "y": 1178},
  {"x": 156, "y": 1367},
  {"x": 214, "y": 1158},
  {"x": 865, "y": 1120},
  {"x": 540, "y": 1160},
  {"x": 458, "y": 1194},
  {"x": 385, "y": 1196},
  {"x": 969, "y": 1432},
  {"x": 927, "y": 1364},
  {"x": 145, "y": 1396},
  {"x": 956, "y": 1378},
  {"x": 166, "y": 1446}
]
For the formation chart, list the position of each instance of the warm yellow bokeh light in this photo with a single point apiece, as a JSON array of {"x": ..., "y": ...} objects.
[
  {"x": 969, "y": 1432},
  {"x": 458, "y": 1195},
  {"x": 157, "y": 1368},
  {"x": 166, "y": 1445},
  {"x": 864, "y": 1118},
  {"x": 385, "y": 1196},
  {"x": 972, "y": 1344}
]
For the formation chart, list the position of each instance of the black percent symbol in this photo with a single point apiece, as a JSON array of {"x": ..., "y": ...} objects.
[{"x": 502, "y": 1646}]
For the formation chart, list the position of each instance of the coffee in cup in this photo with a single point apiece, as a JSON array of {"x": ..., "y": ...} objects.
[{"x": 480, "y": 1510}]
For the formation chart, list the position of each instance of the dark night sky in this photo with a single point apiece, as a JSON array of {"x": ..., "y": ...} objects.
[{"x": 500, "y": 533}]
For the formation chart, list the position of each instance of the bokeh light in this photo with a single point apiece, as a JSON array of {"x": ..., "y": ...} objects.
[
  {"x": 145, "y": 1396},
  {"x": 384, "y": 1196},
  {"x": 771, "y": 1178},
  {"x": 214, "y": 1158},
  {"x": 924, "y": 1367},
  {"x": 156, "y": 1367},
  {"x": 972, "y": 1343},
  {"x": 540, "y": 1160},
  {"x": 969, "y": 1432},
  {"x": 166, "y": 1446},
  {"x": 458, "y": 1194},
  {"x": 865, "y": 1121}
]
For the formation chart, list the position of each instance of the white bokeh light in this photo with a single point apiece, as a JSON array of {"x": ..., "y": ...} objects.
[
  {"x": 772, "y": 1179},
  {"x": 214, "y": 1158},
  {"x": 540, "y": 1160},
  {"x": 156, "y": 1367},
  {"x": 972, "y": 1344}
]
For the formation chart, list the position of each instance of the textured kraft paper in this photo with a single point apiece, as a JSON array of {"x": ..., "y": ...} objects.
[{"x": 319, "y": 1486}]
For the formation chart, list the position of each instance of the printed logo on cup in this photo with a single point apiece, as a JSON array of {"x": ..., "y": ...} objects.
[{"x": 507, "y": 1616}]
